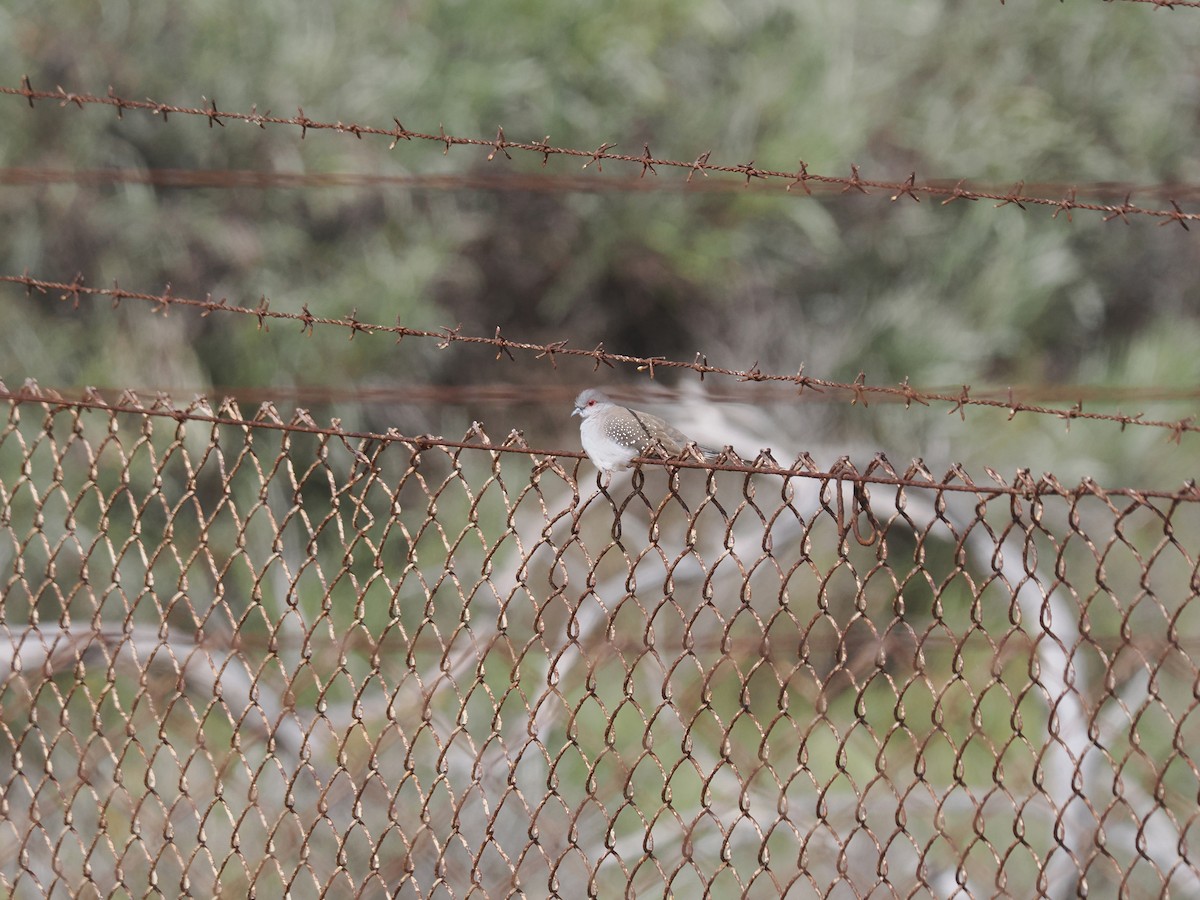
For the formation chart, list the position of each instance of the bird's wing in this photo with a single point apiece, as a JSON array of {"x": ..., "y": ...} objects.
[{"x": 672, "y": 439}]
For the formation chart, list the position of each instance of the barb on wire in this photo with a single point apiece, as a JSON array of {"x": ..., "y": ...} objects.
[
  {"x": 646, "y": 162},
  {"x": 879, "y": 472},
  {"x": 1158, "y": 4},
  {"x": 1168, "y": 4},
  {"x": 858, "y": 390}
]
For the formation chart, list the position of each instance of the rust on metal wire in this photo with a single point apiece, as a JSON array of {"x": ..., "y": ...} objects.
[
  {"x": 259, "y": 655},
  {"x": 646, "y": 161},
  {"x": 858, "y": 390}
]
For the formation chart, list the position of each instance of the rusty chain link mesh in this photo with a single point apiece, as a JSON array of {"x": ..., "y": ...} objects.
[{"x": 253, "y": 660}]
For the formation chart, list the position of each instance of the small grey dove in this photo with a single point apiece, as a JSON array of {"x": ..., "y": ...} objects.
[{"x": 613, "y": 435}]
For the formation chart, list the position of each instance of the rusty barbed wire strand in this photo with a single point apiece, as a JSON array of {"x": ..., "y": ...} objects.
[
  {"x": 1160, "y": 4},
  {"x": 647, "y": 162},
  {"x": 494, "y": 181},
  {"x": 878, "y": 472},
  {"x": 495, "y": 394},
  {"x": 859, "y": 390}
]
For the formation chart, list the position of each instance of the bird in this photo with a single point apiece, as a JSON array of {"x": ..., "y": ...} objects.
[{"x": 613, "y": 435}]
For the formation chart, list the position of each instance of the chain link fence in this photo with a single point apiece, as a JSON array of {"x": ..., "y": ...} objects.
[{"x": 258, "y": 657}]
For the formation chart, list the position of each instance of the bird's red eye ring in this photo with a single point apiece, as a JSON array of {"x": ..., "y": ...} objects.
[{"x": 591, "y": 403}]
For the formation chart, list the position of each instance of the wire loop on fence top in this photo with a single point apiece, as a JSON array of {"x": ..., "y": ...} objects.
[
  {"x": 645, "y": 161},
  {"x": 880, "y": 471},
  {"x": 858, "y": 390}
]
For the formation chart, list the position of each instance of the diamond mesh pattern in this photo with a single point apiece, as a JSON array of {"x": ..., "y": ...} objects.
[{"x": 247, "y": 658}]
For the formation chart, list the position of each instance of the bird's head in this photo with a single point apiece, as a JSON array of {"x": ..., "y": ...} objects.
[{"x": 590, "y": 401}]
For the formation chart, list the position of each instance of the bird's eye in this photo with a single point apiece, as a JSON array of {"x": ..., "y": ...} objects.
[{"x": 591, "y": 403}]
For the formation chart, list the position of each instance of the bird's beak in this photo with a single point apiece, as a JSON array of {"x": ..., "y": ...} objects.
[{"x": 577, "y": 411}]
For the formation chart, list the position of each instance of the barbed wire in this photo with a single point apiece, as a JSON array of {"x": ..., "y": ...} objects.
[
  {"x": 858, "y": 390},
  {"x": 492, "y": 181},
  {"x": 879, "y": 471},
  {"x": 494, "y": 394},
  {"x": 648, "y": 163},
  {"x": 1162, "y": 4}
]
